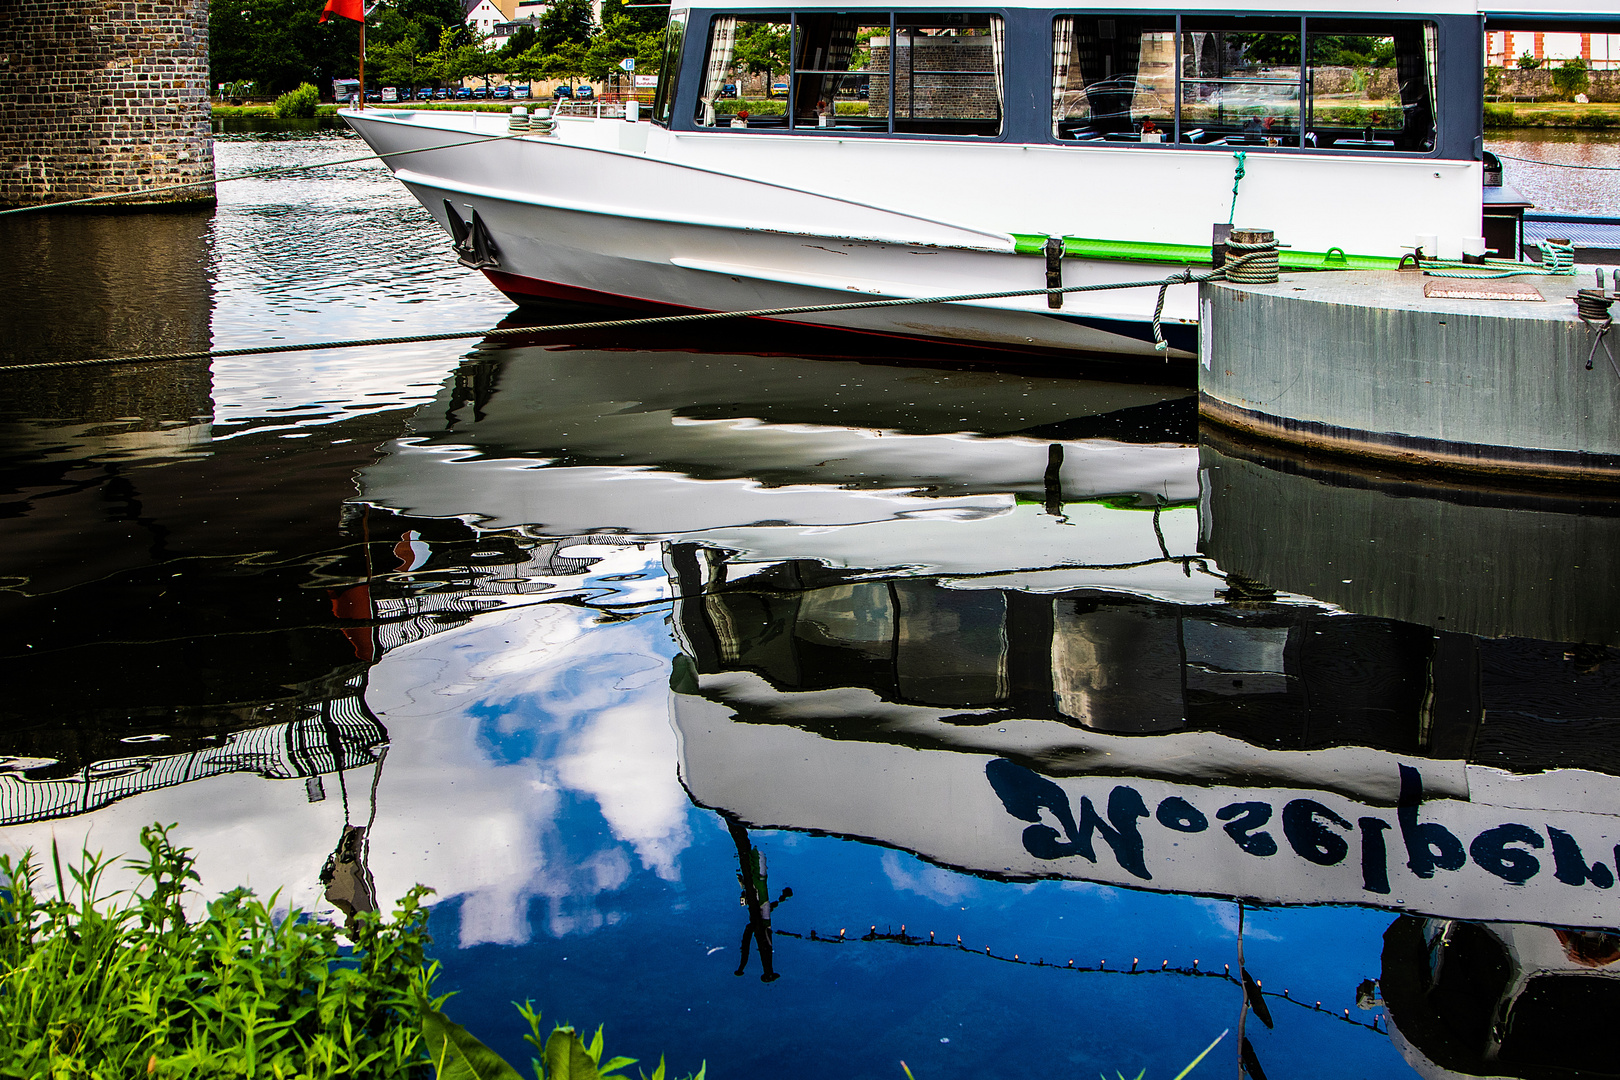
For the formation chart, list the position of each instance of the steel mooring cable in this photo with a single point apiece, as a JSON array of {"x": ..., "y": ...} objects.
[{"x": 1184, "y": 278}]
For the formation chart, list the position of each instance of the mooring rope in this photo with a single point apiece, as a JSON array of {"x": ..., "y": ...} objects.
[
  {"x": 1557, "y": 164},
  {"x": 1184, "y": 278},
  {"x": 1592, "y": 308},
  {"x": 1557, "y": 260},
  {"x": 256, "y": 174},
  {"x": 916, "y": 941},
  {"x": 1238, "y": 174}
]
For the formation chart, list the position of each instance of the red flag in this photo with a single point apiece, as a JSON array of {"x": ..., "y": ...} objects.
[{"x": 348, "y": 9}]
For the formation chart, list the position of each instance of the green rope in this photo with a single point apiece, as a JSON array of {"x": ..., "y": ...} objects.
[
  {"x": 1237, "y": 178},
  {"x": 1557, "y": 260}
]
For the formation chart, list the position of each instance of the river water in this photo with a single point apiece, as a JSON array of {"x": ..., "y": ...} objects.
[{"x": 784, "y": 703}]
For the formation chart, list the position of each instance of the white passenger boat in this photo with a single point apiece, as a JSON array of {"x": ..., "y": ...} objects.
[{"x": 813, "y": 154}]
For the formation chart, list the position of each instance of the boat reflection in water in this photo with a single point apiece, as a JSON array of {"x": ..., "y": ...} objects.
[
  {"x": 1009, "y": 624},
  {"x": 1502, "y": 999}
]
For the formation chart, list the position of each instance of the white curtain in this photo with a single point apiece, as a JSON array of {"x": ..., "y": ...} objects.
[
  {"x": 1431, "y": 63},
  {"x": 998, "y": 54},
  {"x": 723, "y": 37},
  {"x": 1062, "y": 48}
]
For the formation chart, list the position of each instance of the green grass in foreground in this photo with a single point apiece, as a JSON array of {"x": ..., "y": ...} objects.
[{"x": 98, "y": 985}]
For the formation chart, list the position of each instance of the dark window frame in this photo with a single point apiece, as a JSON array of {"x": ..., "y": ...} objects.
[
  {"x": 692, "y": 100},
  {"x": 1438, "y": 99}
]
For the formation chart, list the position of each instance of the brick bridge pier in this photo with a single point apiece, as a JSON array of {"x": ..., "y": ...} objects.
[{"x": 103, "y": 96}]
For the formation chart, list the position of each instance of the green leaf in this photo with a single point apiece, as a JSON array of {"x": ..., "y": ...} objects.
[
  {"x": 457, "y": 1055},
  {"x": 1194, "y": 1063},
  {"x": 567, "y": 1058}
]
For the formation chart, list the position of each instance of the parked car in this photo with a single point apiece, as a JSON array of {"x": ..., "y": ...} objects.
[
  {"x": 480, "y": 92},
  {"x": 520, "y": 92},
  {"x": 463, "y": 93},
  {"x": 729, "y": 90},
  {"x": 560, "y": 92},
  {"x": 501, "y": 93},
  {"x": 584, "y": 93},
  {"x": 425, "y": 94},
  {"x": 390, "y": 93},
  {"x": 374, "y": 95},
  {"x": 441, "y": 94},
  {"x": 778, "y": 89}
]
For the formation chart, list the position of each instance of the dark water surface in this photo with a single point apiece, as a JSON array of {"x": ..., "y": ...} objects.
[{"x": 1040, "y": 714}]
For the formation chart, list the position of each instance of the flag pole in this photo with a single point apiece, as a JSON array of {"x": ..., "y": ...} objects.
[{"x": 362, "y": 102}]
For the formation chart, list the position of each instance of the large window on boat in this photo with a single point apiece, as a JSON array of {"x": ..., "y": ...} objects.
[
  {"x": 669, "y": 73},
  {"x": 1250, "y": 81},
  {"x": 871, "y": 72}
]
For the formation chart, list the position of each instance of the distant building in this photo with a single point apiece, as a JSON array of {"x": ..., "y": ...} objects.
[
  {"x": 528, "y": 15},
  {"x": 1504, "y": 47},
  {"x": 483, "y": 16},
  {"x": 529, "y": 12}
]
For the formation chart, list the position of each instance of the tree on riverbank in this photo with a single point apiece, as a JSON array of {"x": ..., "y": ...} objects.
[{"x": 278, "y": 44}]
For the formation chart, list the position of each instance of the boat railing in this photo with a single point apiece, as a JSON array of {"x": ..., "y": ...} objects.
[{"x": 601, "y": 110}]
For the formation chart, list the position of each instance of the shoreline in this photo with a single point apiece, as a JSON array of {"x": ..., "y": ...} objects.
[
  {"x": 1526, "y": 116},
  {"x": 1553, "y": 114}
]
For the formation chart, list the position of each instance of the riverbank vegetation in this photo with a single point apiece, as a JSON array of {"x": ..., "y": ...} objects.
[
  {"x": 1553, "y": 114},
  {"x": 96, "y": 983},
  {"x": 274, "y": 45}
]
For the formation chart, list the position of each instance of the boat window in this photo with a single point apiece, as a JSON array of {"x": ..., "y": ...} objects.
[
  {"x": 1311, "y": 83},
  {"x": 1240, "y": 81},
  {"x": 1370, "y": 85},
  {"x": 669, "y": 72},
  {"x": 928, "y": 74},
  {"x": 745, "y": 78},
  {"x": 841, "y": 72},
  {"x": 1114, "y": 79},
  {"x": 948, "y": 74}
]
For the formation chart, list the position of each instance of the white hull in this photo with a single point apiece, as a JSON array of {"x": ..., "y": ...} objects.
[
  {"x": 631, "y": 214},
  {"x": 616, "y": 225}
]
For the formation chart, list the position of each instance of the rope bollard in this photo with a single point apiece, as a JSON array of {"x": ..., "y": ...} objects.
[
  {"x": 541, "y": 122},
  {"x": 1592, "y": 308},
  {"x": 518, "y": 123},
  {"x": 1261, "y": 270}
]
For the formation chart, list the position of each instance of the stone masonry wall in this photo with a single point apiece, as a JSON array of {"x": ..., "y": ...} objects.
[
  {"x": 103, "y": 96},
  {"x": 1513, "y": 84}
]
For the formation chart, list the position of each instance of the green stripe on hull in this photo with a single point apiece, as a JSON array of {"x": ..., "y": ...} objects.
[{"x": 1140, "y": 251}]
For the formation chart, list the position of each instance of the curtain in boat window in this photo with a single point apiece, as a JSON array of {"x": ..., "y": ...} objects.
[
  {"x": 998, "y": 60},
  {"x": 1062, "y": 46},
  {"x": 1415, "y": 62},
  {"x": 1431, "y": 60},
  {"x": 841, "y": 43},
  {"x": 826, "y": 45},
  {"x": 722, "y": 39}
]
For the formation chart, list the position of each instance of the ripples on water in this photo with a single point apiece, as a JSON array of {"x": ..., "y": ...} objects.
[
  {"x": 1556, "y": 190},
  {"x": 998, "y": 672}
]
